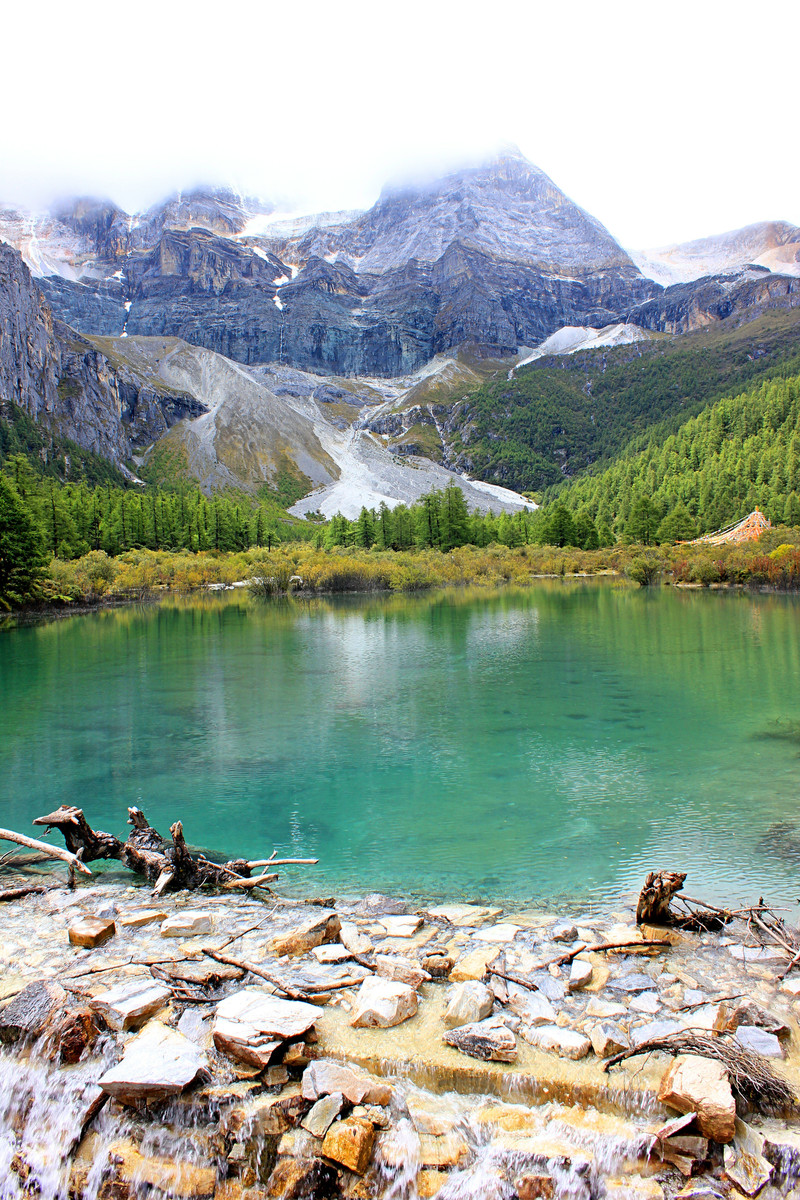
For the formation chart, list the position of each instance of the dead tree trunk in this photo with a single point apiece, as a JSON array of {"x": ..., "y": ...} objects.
[
  {"x": 654, "y": 898},
  {"x": 169, "y": 866}
]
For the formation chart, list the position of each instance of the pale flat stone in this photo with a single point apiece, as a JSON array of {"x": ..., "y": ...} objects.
[
  {"x": 330, "y": 953},
  {"x": 532, "y": 1007},
  {"x": 187, "y": 924},
  {"x": 321, "y": 1116},
  {"x": 466, "y": 916},
  {"x": 324, "y": 1076},
  {"x": 791, "y": 986},
  {"x": 754, "y": 1038},
  {"x": 580, "y": 974},
  {"x": 467, "y": 1003},
  {"x": 566, "y": 1043},
  {"x": 252, "y": 1023},
  {"x": 381, "y": 1003},
  {"x": 604, "y": 1008},
  {"x": 563, "y": 931},
  {"x": 157, "y": 1063},
  {"x": 400, "y": 927},
  {"x": 473, "y": 965},
  {"x": 138, "y": 920},
  {"x": 353, "y": 939},
  {"x": 646, "y": 1002},
  {"x": 696, "y": 1084},
  {"x": 324, "y": 926},
  {"x": 497, "y": 934},
  {"x": 400, "y": 970},
  {"x": 131, "y": 1004}
]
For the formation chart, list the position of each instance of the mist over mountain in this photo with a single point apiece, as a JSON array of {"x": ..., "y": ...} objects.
[{"x": 416, "y": 300}]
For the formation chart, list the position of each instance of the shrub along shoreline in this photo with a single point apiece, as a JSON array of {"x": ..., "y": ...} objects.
[{"x": 98, "y": 578}]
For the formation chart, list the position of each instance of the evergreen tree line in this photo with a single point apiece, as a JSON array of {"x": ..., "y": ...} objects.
[
  {"x": 441, "y": 521},
  {"x": 73, "y": 518},
  {"x": 740, "y": 453}
]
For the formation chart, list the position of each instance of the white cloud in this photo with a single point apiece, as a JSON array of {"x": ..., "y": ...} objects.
[{"x": 666, "y": 123}]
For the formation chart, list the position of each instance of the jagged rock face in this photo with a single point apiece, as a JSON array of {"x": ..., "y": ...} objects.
[
  {"x": 495, "y": 256},
  {"x": 687, "y": 306},
  {"x": 96, "y": 307},
  {"x": 29, "y": 359},
  {"x": 65, "y": 382},
  {"x": 508, "y": 209}
]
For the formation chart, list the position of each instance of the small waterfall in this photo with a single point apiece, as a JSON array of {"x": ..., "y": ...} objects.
[
  {"x": 399, "y": 1176},
  {"x": 43, "y": 1111}
]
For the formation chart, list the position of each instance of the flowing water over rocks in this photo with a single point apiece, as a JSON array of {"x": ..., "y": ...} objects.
[{"x": 195, "y": 1079}]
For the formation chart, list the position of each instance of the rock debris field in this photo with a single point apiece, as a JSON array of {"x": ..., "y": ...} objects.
[{"x": 208, "y": 1046}]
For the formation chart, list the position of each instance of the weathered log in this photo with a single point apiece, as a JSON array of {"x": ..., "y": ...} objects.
[
  {"x": 166, "y": 865},
  {"x": 78, "y": 834},
  {"x": 67, "y": 856}
]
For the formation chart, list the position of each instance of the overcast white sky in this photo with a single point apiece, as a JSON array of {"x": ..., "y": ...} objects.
[{"x": 667, "y": 121}]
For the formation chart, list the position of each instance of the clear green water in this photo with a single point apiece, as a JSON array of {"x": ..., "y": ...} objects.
[{"x": 522, "y": 746}]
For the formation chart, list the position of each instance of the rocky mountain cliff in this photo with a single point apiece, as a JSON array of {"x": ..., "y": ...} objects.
[
  {"x": 495, "y": 257},
  {"x": 67, "y": 384},
  {"x": 189, "y": 413}
]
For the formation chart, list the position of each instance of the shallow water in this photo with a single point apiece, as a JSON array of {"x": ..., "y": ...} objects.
[{"x": 523, "y": 746}]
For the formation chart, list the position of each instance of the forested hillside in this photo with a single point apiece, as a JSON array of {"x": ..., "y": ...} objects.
[
  {"x": 565, "y": 413},
  {"x": 742, "y": 452}
]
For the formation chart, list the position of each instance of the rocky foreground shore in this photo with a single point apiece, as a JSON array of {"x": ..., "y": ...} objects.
[{"x": 247, "y": 1048}]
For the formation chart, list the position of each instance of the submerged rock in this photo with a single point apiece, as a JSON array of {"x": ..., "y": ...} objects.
[{"x": 489, "y": 1040}]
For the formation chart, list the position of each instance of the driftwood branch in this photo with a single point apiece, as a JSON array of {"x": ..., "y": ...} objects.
[
  {"x": 67, "y": 856},
  {"x": 17, "y": 893},
  {"x": 167, "y": 865}
]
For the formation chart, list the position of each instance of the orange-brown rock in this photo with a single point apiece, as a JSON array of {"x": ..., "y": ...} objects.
[
  {"x": 350, "y": 1143},
  {"x": 701, "y": 1085}
]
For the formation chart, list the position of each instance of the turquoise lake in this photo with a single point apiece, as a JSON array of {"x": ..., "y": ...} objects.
[{"x": 523, "y": 746}]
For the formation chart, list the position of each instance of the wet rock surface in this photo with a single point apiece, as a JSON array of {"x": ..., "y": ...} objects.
[{"x": 236, "y": 1090}]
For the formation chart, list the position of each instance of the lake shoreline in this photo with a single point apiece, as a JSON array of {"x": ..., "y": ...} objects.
[{"x": 428, "y": 1101}]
